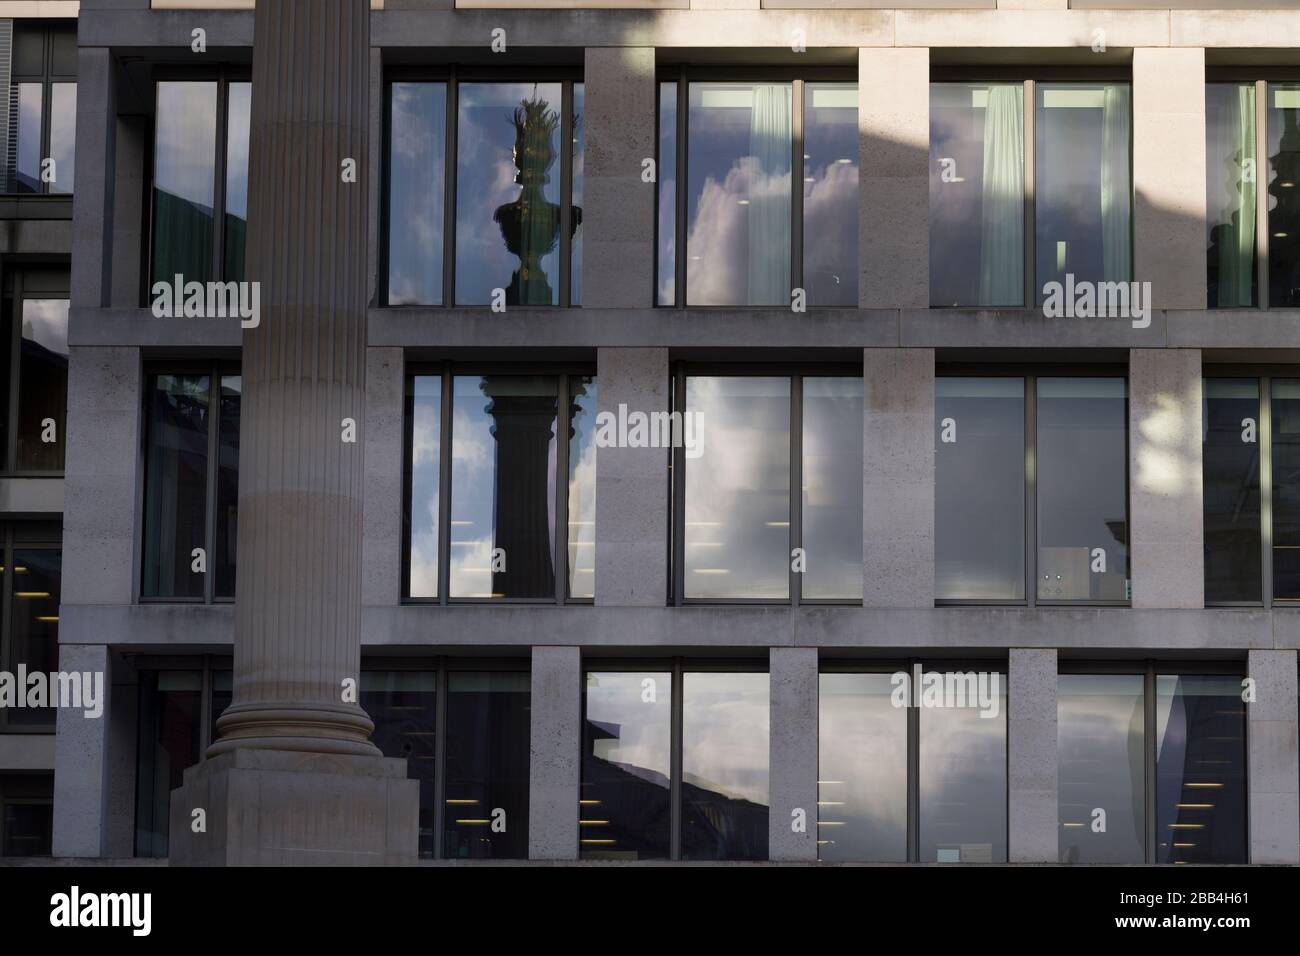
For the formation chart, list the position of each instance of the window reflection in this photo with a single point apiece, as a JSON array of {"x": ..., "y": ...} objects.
[
  {"x": 624, "y": 811},
  {"x": 832, "y": 488},
  {"x": 737, "y": 499},
  {"x": 862, "y": 770},
  {"x": 579, "y": 142},
  {"x": 1082, "y": 460},
  {"x": 176, "y": 470},
  {"x": 502, "y": 486},
  {"x": 63, "y": 136},
  {"x": 830, "y": 193},
  {"x": 169, "y": 725},
  {"x": 977, "y": 194},
  {"x": 486, "y": 792},
  {"x": 1286, "y": 488},
  {"x": 238, "y": 103},
  {"x": 1232, "y": 497},
  {"x": 34, "y": 622},
  {"x": 979, "y": 489},
  {"x": 963, "y": 783},
  {"x": 185, "y": 147},
  {"x": 1283, "y": 128},
  {"x": 724, "y": 766},
  {"x": 666, "y": 169},
  {"x": 1102, "y": 754},
  {"x": 28, "y": 171},
  {"x": 402, "y": 705},
  {"x": 417, "y": 124},
  {"x": 739, "y": 213},
  {"x": 1230, "y": 194},
  {"x": 1200, "y": 769},
  {"x": 43, "y": 377},
  {"x": 582, "y": 487},
  {"x": 424, "y": 411},
  {"x": 1082, "y": 182},
  {"x": 227, "y": 491},
  {"x": 508, "y": 193}
]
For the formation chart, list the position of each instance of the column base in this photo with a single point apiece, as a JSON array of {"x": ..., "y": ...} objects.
[{"x": 290, "y": 808}]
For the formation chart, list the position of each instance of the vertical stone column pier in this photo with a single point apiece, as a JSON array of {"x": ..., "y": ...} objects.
[{"x": 292, "y": 777}]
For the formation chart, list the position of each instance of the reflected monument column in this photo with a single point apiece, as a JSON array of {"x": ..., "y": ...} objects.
[{"x": 293, "y": 777}]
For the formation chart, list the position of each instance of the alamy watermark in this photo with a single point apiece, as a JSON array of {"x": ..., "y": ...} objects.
[
  {"x": 636, "y": 429},
  {"x": 78, "y": 690},
  {"x": 1098, "y": 300},
  {"x": 981, "y": 690},
  {"x": 208, "y": 300}
]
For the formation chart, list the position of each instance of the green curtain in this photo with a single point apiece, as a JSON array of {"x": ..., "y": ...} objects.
[
  {"x": 1237, "y": 246},
  {"x": 1002, "y": 220},
  {"x": 1116, "y": 191},
  {"x": 182, "y": 239},
  {"x": 770, "y": 136}
]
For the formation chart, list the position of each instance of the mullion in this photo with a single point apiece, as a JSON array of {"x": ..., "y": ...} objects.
[{"x": 219, "y": 181}]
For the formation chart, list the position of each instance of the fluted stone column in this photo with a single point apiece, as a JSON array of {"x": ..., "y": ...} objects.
[{"x": 293, "y": 778}]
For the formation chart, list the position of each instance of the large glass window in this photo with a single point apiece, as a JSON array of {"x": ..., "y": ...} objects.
[
  {"x": 743, "y": 534},
  {"x": 41, "y": 147},
  {"x": 1231, "y": 463},
  {"x": 170, "y": 739},
  {"x": 514, "y": 213},
  {"x": 1101, "y": 725},
  {"x": 191, "y": 484},
  {"x": 1282, "y": 125},
  {"x": 977, "y": 194},
  {"x": 493, "y": 534},
  {"x": 200, "y": 180},
  {"x": 1073, "y": 469},
  {"x": 26, "y": 814},
  {"x": 749, "y": 237},
  {"x": 30, "y": 584},
  {"x": 486, "y": 811},
  {"x": 625, "y": 803},
  {"x": 1230, "y": 194},
  {"x": 34, "y": 363},
  {"x": 949, "y": 724},
  {"x": 403, "y": 706}
]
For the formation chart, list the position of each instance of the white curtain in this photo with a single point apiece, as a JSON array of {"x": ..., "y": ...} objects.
[
  {"x": 1116, "y": 191},
  {"x": 1002, "y": 220}
]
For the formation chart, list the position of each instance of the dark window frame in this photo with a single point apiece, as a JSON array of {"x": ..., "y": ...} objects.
[
  {"x": 1030, "y": 377},
  {"x": 215, "y": 370},
  {"x": 451, "y": 76},
  {"x": 13, "y": 537},
  {"x": 1149, "y": 670},
  {"x": 677, "y": 667},
  {"x": 1029, "y": 77},
  {"x": 795, "y": 373},
  {"x": 685, "y": 74},
  {"x": 446, "y": 371},
  {"x": 47, "y": 78},
  {"x": 223, "y": 75},
  {"x": 29, "y": 283}
]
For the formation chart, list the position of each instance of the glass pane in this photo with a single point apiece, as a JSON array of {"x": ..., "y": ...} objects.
[
  {"x": 508, "y": 193},
  {"x": 486, "y": 814},
  {"x": 666, "y": 172},
  {"x": 1231, "y": 479},
  {"x": 185, "y": 146},
  {"x": 34, "y": 622},
  {"x": 1230, "y": 194},
  {"x": 963, "y": 768},
  {"x": 239, "y": 96},
  {"x": 1283, "y": 128},
  {"x": 27, "y": 147},
  {"x": 43, "y": 385},
  {"x": 223, "y": 691},
  {"x": 862, "y": 770},
  {"x": 582, "y": 487},
  {"x": 724, "y": 766},
  {"x": 830, "y": 194},
  {"x": 626, "y": 766},
  {"x": 1102, "y": 752},
  {"x": 1083, "y": 187},
  {"x": 579, "y": 140},
  {"x": 1082, "y": 489},
  {"x": 403, "y": 705},
  {"x": 737, "y": 530},
  {"x": 424, "y": 410},
  {"x": 738, "y": 219},
  {"x": 503, "y": 486},
  {"x": 417, "y": 125},
  {"x": 170, "y": 715},
  {"x": 1200, "y": 769},
  {"x": 175, "y": 497},
  {"x": 1286, "y": 489},
  {"x": 979, "y": 474},
  {"x": 27, "y": 828},
  {"x": 832, "y": 488},
  {"x": 977, "y": 194},
  {"x": 227, "y": 517},
  {"x": 63, "y": 136}
]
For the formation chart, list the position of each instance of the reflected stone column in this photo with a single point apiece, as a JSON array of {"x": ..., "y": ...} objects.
[{"x": 293, "y": 777}]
